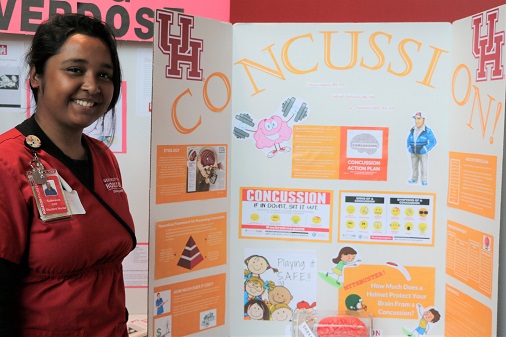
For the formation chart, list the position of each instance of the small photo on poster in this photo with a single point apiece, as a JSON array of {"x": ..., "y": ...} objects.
[
  {"x": 206, "y": 168},
  {"x": 162, "y": 302},
  {"x": 163, "y": 326},
  {"x": 207, "y": 319},
  {"x": 11, "y": 81}
]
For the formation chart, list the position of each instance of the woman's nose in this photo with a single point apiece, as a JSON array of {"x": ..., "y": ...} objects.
[{"x": 91, "y": 84}]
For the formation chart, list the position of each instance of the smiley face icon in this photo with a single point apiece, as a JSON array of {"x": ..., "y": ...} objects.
[
  {"x": 377, "y": 225},
  {"x": 409, "y": 211},
  {"x": 378, "y": 210},
  {"x": 363, "y": 224},
  {"x": 316, "y": 220},
  {"x": 408, "y": 226},
  {"x": 423, "y": 212},
  {"x": 295, "y": 219},
  {"x": 394, "y": 225},
  {"x": 275, "y": 217},
  {"x": 422, "y": 227},
  {"x": 350, "y": 209},
  {"x": 364, "y": 210},
  {"x": 254, "y": 217},
  {"x": 350, "y": 224},
  {"x": 396, "y": 211}
]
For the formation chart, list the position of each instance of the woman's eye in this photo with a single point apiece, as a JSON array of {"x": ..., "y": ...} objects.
[
  {"x": 74, "y": 69},
  {"x": 105, "y": 75}
]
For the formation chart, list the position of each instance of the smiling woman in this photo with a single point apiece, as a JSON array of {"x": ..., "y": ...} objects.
[
  {"x": 82, "y": 90},
  {"x": 61, "y": 253}
]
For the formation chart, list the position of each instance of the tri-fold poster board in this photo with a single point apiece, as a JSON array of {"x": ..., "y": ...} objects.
[{"x": 330, "y": 166}]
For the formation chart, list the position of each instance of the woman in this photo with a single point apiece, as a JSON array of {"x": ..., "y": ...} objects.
[{"x": 60, "y": 258}]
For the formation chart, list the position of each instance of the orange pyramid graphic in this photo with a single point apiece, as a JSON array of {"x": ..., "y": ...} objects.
[{"x": 191, "y": 256}]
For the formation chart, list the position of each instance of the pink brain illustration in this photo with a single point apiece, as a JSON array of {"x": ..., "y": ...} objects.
[{"x": 272, "y": 131}]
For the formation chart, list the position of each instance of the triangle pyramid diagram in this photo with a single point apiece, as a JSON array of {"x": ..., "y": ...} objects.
[{"x": 191, "y": 256}]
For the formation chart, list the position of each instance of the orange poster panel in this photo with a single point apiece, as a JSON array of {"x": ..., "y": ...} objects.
[
  {"x": 472, "y": 183},
  {"x": 189, "y": 244},
  {"x": 363, "y": 153},
  {"x": 190, "y": 172},
  {"x": 465, "y": 316},
  {"x": 315, "y": 152},
  {"x": 389, "y": 291},
  {"x": 191, "y": 306},
  {"x": 469, "y": 257}
]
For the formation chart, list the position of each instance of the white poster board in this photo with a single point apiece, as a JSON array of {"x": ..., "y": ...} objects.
[{"x": 326, "y": 161}]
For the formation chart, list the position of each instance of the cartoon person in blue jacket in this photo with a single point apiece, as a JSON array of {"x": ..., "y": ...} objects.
[{"x": 420, "y": 141}]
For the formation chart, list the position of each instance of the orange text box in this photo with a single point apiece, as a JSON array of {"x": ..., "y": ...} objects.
[
  {"x": 465, "y": 316},
  {"x": 172, "y": 175},
  {"x": 178, "y": 242},
  {"x": 315, "y": 152},
  {"x": 469, "y": 257},
  {"x": 195, "y": 305},
  {"x": 472, "y": 180},
  {"x": 390, "y": 290}
]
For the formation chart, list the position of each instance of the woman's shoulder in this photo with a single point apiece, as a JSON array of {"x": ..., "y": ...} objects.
[
  {"x": 14, "y": 156},
  {"x": 11, "y": 142},
  {"x": 10, "y": 135}
]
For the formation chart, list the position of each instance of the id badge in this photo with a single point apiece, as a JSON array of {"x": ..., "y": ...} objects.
[{"x": 49, "y": 196}]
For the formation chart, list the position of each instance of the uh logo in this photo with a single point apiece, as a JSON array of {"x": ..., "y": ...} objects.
[
  {"x": 184, "y": 56},
  {"x": 488, "y": 47},
  {"x": 182, "y": 49}
]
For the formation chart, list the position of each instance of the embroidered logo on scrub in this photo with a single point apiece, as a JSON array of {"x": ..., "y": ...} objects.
[{"x": 113, "y": 184}]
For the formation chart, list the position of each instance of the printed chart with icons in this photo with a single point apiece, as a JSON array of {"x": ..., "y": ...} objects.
[
  {"x": 286, "y": 220},
  {"x": 386, "y": 218}
]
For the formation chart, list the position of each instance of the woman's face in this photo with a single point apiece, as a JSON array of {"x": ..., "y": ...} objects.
[{"x": 76, "y": 88}]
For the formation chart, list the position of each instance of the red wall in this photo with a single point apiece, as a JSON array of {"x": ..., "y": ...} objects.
[{"x": 356, "y": 10}]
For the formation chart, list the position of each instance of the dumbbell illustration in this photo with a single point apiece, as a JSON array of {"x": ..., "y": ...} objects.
[
  {"x": 287, "y": 106},
  {"x": 246, "y": 119}
]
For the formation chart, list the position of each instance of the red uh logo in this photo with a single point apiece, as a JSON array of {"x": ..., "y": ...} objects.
[
  {"x": 182, "y": 49},
  {"x": 488, "y": 49}
]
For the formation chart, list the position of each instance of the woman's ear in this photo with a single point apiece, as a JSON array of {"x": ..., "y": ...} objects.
[{"x": 34, "y": 78}]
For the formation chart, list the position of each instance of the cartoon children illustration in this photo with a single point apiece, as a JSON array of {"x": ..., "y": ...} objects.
[
  {"x": 254, "y": 287},
  {"x": 306, "y": 311},
  {"x": 256, "y": 310},
  {"x": 257, "y": 265},
  {"x": 346, "y": 257},
  {"x": 305, "y": 307},
  {"x": 281, "y": 312},
  {"x": 279, "y": 295},
  {"x": 427, "y": 317}
]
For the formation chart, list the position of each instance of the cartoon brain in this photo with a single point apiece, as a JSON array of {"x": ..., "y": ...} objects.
[{"x": 272, "y": 131}]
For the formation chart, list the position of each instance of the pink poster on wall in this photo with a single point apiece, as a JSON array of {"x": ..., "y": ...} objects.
[{"x": 130, "y": 20}]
